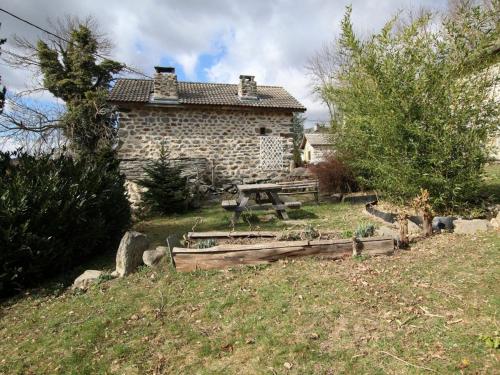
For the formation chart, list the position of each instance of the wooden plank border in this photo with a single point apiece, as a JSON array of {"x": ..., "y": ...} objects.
[{"x": 231, "y": 255}]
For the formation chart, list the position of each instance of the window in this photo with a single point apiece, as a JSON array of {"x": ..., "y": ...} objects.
[
  {"x": 262, "y": 131},
  {"x": 308, "y": 155}
]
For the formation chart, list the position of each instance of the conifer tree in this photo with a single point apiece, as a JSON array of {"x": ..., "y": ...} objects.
[
  {"x": 72, "y": 73},
  {"x": 166, "y": 189}
]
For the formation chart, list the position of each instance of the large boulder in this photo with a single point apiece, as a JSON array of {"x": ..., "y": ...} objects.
[
  {"x": 471, "y": 226},
  {"x": 495, "y": 222},
  {"x": 129, "y": 254},
  {"x": 86, "y": 279},
  {"x": 152, "y": 257}
]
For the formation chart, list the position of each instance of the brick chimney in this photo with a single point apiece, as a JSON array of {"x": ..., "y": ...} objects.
[
  {"x": 247, "y": 88},
  {"x": 165, "y": 84}
]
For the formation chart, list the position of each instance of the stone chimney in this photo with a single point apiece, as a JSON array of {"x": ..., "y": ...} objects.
[
  {"x": 247, "y": 88},
  {"x": 165, "y": 84}
]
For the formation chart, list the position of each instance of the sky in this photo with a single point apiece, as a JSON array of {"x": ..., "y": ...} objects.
[{"x": 212, "y": 41}]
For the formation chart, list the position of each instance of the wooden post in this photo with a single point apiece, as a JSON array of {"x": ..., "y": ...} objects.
[
  {"x": 404, "y": 241},
  {"x": 427, "y": 223},
  {"x": 355, "y": 247},
  {"x": 422, "y": 203}
]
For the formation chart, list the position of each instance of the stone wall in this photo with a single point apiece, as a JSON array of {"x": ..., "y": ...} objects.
[{"x": 226, "y": 141}]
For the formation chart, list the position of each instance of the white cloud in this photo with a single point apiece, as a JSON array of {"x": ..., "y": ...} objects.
[{"x": 269, "y": 39}]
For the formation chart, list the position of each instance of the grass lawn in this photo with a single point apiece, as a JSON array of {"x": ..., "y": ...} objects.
[
  {"x": 341, "y": 218},
  {"x": 433, "y": 308}
]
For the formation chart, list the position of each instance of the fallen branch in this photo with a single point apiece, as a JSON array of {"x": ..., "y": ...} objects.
[{"x": 427, "y": 313}]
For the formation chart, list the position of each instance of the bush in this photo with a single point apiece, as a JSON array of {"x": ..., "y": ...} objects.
[
  {"x": 415, "y": 107},
  {"x": 56, "y": 211},
  {"x": 334, "y": 176},
  {"x": 364, "y": 230},
  {"x": 167, "y": 190}
]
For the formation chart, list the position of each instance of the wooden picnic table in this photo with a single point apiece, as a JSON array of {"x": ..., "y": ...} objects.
[{"x": 260, "y": 190}]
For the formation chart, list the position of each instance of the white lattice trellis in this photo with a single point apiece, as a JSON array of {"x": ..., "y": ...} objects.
[{"x": 271, "y": 153}]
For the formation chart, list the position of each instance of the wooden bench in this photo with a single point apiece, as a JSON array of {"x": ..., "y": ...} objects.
[
  {"x": 300, "y": 187},
  {"x": 232, "y": 205}
]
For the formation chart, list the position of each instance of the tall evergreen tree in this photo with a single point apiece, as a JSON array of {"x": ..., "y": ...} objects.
[{"x": 72, "y": 73}]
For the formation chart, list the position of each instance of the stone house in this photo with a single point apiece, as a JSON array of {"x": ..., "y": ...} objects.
[
  {"x": 315, "y": 147},
  {"x": 224, "y": 132}
]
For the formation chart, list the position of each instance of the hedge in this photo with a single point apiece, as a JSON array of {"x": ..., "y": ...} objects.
[{"x": 55, "y": 212}]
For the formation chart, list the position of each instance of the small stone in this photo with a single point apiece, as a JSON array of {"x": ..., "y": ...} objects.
[
  {"x": 152, "y": 257},
  {"x": 86, "y": 279},
  {"x": 287, "y": 365}
]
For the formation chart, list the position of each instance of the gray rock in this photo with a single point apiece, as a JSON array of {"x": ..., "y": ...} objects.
[
  {"x": 337, "y": 197},
  {"x": 86, "y": 279},
  {"x": 471, "y": 226},
  {"x": 495, "y": 222},
  {"x": 387, "y": 231},
  {"x": 203, "y": 189},
  {"x": 442, "y": 222},
  {"x": 129, "y": 254},
  {"x": 152, "y": 257},
  {"x": 413, "y": 228}
]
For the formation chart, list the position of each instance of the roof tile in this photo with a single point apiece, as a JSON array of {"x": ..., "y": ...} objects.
[{"x": 140, "y": 91}]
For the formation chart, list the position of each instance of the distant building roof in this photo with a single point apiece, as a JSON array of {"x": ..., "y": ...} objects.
[
  {"x": 140, "y": 91},
  {"x": 316, "y": 139}
]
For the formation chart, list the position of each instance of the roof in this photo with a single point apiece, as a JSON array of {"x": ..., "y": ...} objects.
[
  {"x": 316, "y": 139},
  {"x": 140, "y": 91}
]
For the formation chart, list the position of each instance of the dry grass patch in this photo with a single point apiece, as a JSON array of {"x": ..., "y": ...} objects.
[{"x": 419, "y": 311}]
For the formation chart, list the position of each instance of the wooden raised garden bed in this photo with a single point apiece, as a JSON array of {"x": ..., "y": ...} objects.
[{"x": 230, "y": 255}]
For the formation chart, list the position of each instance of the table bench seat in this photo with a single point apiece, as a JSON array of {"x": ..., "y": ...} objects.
[{"x": 230, "y": 204}]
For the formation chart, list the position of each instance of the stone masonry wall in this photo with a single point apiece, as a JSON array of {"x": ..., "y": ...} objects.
[{"x": 228, "y": 140}]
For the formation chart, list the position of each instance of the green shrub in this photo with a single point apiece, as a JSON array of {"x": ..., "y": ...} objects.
[
  {"x": 414, "y": 105},
  {"x": 56, "y": 211},
  {"x": 167, "y": 190},
  {"x": 364, "y": 230}
]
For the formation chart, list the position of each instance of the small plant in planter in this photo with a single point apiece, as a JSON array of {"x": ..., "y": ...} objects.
[
  {"x": 364, "y": 230},
  {"x": 205, "y": 244}
]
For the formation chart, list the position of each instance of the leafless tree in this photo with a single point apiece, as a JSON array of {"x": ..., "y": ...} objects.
[
  {"x": 322, "y": 68},
  {"x": 30, "y": 125}
]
